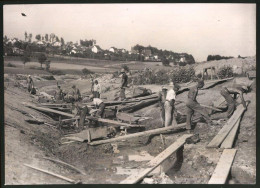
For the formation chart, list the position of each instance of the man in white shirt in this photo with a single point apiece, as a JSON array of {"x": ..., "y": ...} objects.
[
  {"x": 96, "y": 89},
  {"x": 99, "y": 104},
  {"x": 169, "y": 105}
]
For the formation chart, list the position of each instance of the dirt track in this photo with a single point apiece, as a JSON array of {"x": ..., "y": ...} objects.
[{"x": 26, "y": 142}]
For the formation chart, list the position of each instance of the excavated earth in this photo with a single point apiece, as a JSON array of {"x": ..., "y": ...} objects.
[{"x": 27, "y": 143}]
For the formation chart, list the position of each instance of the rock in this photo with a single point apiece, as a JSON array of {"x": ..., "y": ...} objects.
[
  {"x": 148, "y": 181},
  {"x": 190, "y": 163}
]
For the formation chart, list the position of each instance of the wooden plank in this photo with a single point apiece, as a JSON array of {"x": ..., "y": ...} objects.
[
  {"x": 65, "y": 164},
  {"x": 218, "y": 139},
  {"x": 222, "y": 170},
  {"x": 144, "y": 133},
  {"x": 49, "y": 110},
  {"x": 155, "y": 162},
  {"x": 229, "y": 140},
  {"x": 51, "y": 173}
]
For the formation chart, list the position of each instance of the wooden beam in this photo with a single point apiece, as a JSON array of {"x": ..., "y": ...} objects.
[
  {"x": 51, "y": 173},
  {"x": 229, "y": 140},
  {"x": 150, "y": 166},
  {"x": 222, "y": 170},
  {"x": 65, "y": 164},
  {"x": 144, "y": 133},
  {"x": 218, "y": 139}
]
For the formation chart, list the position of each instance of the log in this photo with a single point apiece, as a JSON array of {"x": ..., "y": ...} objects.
[
  {"x": 51, "y": 173},
  {"x": 65, "y": 164},
  {"x": 155, "y": 162},
  {"x": 229, "y": 140},
  {"x": 222, "y": 170},
  {"x": 144, "y": 133},
  {"x": 218, "y": 139},
  {"x": 142, "y": 104}
]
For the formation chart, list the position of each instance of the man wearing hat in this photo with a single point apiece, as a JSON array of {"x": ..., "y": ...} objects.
[
  {"x": 124, "y": 81},
  {"x": 193, "y": 105},
  {"x": 76, "y": 93},
  {"x": 169, "y": 105},
  {"x": 235, "y": 89},
  {"x": 162, "y": 99},
  {"x": 30, "y": 83}
]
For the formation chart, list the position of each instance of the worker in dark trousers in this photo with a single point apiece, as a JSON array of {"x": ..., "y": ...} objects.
[
  {"x": 226, "y": 92},
  {"x": 169, "y": 105},
  {"x": 124, "y": 80},
  {"x": 96, "y": 89},
  {"x": 76, "y": 93},
  {"x": 162, "y": 98},
  {"x": 193, "y": 105},
  {"x": 30, "y": 83}
]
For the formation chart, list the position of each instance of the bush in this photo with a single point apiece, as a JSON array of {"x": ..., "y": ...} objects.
[
  {"x": 10, "y": 65},
  {"x": 183, "y": 74},
  {"x": 57, "y": 72},
  {"x": 165, "y": 62},
  {"x": 225, "y": 72},
  {"x": 85, "y": 71},
  {"x": 48, "y": 77}
]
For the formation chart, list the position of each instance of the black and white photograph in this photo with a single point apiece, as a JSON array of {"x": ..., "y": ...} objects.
[{"x": 129, "y": 93}]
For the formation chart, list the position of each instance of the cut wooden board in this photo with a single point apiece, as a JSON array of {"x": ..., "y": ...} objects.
[
  {"x": 222, "y": 170},
  {"x": 218, "y": 139},
  {"x": 229, "y": 140},
  {"x": 145, "y": 133},
  {"x": 51, "y": 173},
  {"x": 155, "y": 162}
]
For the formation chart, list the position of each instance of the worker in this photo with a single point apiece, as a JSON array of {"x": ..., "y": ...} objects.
[
  {"x": 169, "y": 105},
  {"x": 82, "y": 111},
  {"x": 162, "y": 98},
  {"x": 98, "y": 104},
  {"x": 76, "y": 93},
  {"x": 30, "y": 83},
  {"x": 193, "y": 105},
  {"x": 236, "y": 89},
  {"x": 59, "y": 94},
  {"x": 124, "y": 81},
  {"x": 96, "y": 89}
]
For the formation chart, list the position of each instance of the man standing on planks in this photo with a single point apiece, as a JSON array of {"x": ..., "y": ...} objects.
[
  {"x": 124, "y": 81},
  {"x": 162, "y": 99},
  {"x": 169, "y": 105},
  {"x": 30, "y": 83},
  {"x": 96, "y": 89},
  {"x": 193, "y": 105},
  {"x": 226, "y": 92}
]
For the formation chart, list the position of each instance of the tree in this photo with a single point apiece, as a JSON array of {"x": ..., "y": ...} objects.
[
  {"x": 42, "y": 58},
  {"x": 47, "y": 65},
  {"x": 62, "y": 41},
  {"x": 26, "y": 56},
  {"x": 30, "y": 37},
  {"x": 57, "y": 39},
  {"x": 42, "y": 37},
  {"x": 38, "y": 37},
  {"x": 25, "y": 36},
  {"x": 46, "y": 37},
  {"x": 165, "y": 61}
]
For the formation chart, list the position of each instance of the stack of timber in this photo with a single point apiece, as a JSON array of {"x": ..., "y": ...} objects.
[
  {"x": 223, "y": 167},
  {"x": 155, "y": 162},
  {"x": 226, "y": 135},
  {"x": 115, "y": 123}
]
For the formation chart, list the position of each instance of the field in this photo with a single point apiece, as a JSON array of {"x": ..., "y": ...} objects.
[{"x": 29, "y": 143}]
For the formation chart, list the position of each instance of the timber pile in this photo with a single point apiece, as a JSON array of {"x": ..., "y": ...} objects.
[{"x": 226, "y": 135}]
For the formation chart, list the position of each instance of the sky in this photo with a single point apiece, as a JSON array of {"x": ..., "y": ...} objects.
[{"x": 197, "y": 29}]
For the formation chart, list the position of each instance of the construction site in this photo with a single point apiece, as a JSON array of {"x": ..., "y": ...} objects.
[{"x": 45, "y": 143}]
